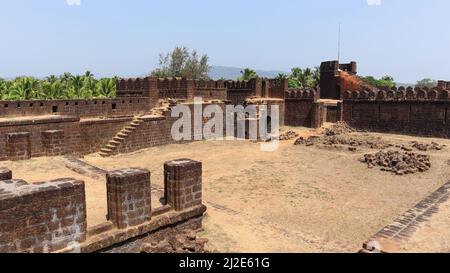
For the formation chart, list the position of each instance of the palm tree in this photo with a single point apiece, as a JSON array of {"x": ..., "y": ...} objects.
[
  {"x": 52, "y": 90},
  {"x": 77, "y": 86},
  {"x": 248, "y": 74},
  {"x": 106, "y": 88},
  {"x": 25, "y": 88}
]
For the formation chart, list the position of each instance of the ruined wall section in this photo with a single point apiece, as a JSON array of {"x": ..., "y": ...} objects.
[
  {"x": 43, "y": 217},
  {"x": 51, "y": 216}
]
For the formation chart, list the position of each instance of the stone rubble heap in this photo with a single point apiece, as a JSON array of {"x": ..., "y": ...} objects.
[
  {"x": 400, "y": 163},
  {"x": 370, "y": 142},
  {"x": 288, "y": 135},
  {"x": 310, "y": 141},
  {"x": 184, "y": 242},
  {"x": 339, "y": 129}
]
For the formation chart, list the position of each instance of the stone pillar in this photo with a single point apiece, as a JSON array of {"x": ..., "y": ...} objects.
[
  {"x": 183, "y": 183},
  {"x": 151, "y": 90},
  {"x": 317, "y": 115},
  {"x": 129, "y": 197},
  {"x": 18, "y": 146},
  {"x": 5, "y": 174},
  {"x": 340, "y": 111},
  {"x": 53, "y": 142},
  {"x": 190, "y": 89}
]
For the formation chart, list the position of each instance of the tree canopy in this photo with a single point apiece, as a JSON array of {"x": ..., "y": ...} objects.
[
  {"x": 384, "y": 82},
  {"x": 66, "y": 86},
  {"x": 304, "y": 78},
  {"x": 248, "y": 74},
  {"x": 182, "y": 63},
  {"x": 427, "y": 82}
]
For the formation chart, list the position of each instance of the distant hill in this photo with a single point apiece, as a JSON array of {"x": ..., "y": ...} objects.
[{"x": 232, "y": 73}]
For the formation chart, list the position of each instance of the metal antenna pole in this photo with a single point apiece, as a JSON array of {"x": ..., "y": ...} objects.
[{"x": 339, "y": 43}]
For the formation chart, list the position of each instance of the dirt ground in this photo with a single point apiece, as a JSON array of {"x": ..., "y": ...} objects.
[{"x": 296, "y": 199}]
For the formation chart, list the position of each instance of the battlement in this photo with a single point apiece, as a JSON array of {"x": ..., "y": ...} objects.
[
  {"x": 443, "y": 84},
  {"x": 240, "y": 85},
  {"x": 400, "y": 94},
  {"x": 301, "y": 94}
]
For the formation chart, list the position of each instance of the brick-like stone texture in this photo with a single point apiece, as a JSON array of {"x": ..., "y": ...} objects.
[
  {"x": 183, "y": 183},
  {"x": 53, "y": 142},
  {"x": 426, "y": 117},
  {"x": 129, "y": 197},
  {"x": 18, "y": 146},
  {"x": 43, "y": 217},
  {"x": 5, "y": 174}
]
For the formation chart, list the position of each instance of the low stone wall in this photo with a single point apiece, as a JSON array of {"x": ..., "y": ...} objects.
[
  {"x": 41, "y": 217},
  {"x": 51, "y": 216}
]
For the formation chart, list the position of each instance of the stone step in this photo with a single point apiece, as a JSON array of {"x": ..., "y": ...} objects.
[
  {"x": 118, "y": 139},
  {"x": 122, "y": 134},
  {"x": 114, "y": 142},
  {"x": 110, "y": 146},
  {"x": 106, "y": 150}
]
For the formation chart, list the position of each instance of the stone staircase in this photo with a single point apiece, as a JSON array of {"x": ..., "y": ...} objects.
[{"x": 112, "y": 146}]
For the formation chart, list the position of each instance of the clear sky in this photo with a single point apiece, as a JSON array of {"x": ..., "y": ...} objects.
[{"x": 408, "y": 39}]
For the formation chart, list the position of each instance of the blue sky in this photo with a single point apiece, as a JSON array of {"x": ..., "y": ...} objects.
[{"x": 409, "y": 39}]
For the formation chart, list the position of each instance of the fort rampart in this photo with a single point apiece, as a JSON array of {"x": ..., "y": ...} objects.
[{"x": 421, "y": 112}]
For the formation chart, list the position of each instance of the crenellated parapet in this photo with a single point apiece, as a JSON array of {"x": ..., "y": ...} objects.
[
  {"x": 400, "y": 94},
  {"x": 301, "y": 94},
  {"x": 240, "y": 85},
  {"x": 135, "y": 87}
]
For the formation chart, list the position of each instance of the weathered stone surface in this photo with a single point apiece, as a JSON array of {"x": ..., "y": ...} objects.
[
  {"x": 42, "y": 217},
  {"x": 183, "y": 183},
  {"x": 129, "y": 197},
  {"x": 5, "y": 174}
]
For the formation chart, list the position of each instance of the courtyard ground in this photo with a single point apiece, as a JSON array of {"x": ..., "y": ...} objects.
[{"x": 296, "y": 199}]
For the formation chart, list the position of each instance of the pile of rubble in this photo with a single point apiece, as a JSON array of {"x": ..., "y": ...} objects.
[
  {"x": 425, "y": 147},
  {"x": 400, "y": 163},
  {"x": 352, "y": 141},
  {"x": 310, "y": 141},
  {"x": 184, "y": 242},
  {"x": 339, "y": 128},
  {"x": 357, "y": 141},
  {"x": 288, "y": 135}
]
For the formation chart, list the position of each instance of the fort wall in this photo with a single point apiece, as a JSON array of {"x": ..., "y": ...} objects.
[
  {"x": 299, "y": 107},
  {"x": 79, "y": 108},
  {"x": 421, "y": 112}
]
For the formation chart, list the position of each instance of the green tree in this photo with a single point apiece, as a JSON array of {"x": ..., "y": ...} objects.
[
  {"x": 182, "y": 63},
  {"x": 106, "y": 88},
  {"x": 25, "y": 88},
  {"x": 282, "y": 76},
  {"x": 52, "y": 90},
  {"x": 383, "y": 82},
  {"x": 248, "y": 74},
  {"x": 304, "y": 78},
  {"x": 427, "y": 82}
]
